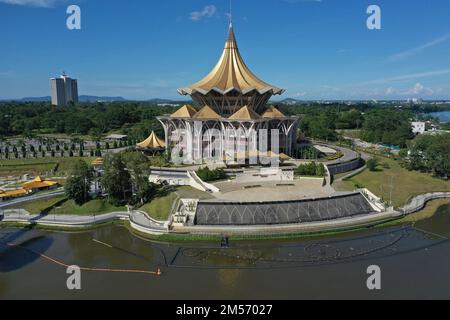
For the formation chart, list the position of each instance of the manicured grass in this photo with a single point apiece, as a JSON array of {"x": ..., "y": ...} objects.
[
  {"x": 66, "y": 164},
  {"x": 406, "y": 184},
  {"x": 40, "y": 206},
  {"x": 63, "y": 206},
  {"x": 187, "y": 192},
  {"x": 16, "y": 167},
  {"x": 160, "y": 207},
  {"x": 93, "y": 207},
  {"x": 21, "y": 167}
]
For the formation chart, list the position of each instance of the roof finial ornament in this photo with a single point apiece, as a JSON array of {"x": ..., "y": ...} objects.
[{"x": 230, "y": 15}]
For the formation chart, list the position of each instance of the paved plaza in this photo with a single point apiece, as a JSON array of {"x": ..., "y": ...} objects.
[{"x": 300, "y": 189}]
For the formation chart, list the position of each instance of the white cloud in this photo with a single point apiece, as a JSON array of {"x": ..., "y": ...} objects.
[
  {"x": 32, "y": 3},
  {"x": 390, "y": 91},
  {"x": 207, "y": 12},
  {"x": 420, "y": 89},
  {"x": 417, "y": 90},
  {"x": 419, "y": 49}
]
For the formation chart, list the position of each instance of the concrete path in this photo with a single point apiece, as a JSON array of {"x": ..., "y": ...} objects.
[
  {"x": 299, "y": 189},
  {"x": 39, "y": 196},
  {"x": 138, "y": 217},
  {"x": 419, "y": 202}
]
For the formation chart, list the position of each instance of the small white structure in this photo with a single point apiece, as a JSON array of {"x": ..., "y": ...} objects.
[
  {"x": 185, "y": 213},
  {"x": 418, "y": 127}
]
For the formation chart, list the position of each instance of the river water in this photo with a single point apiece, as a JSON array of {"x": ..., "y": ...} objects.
[
  {"x": 443, "y": 116},
  {"x": 414, "y": 261}
]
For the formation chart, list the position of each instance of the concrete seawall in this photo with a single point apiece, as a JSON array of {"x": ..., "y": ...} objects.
[
  {"x": 140, "y": 221},
  {"x": 419, "y": 202}
]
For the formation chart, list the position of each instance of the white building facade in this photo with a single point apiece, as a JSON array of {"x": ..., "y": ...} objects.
[{"x": 231, "y": 120}]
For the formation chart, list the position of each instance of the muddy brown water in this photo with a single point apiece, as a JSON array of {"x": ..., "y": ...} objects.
[{"x": 414, "y": 261}]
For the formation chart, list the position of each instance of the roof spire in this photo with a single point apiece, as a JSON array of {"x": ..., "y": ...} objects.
[
  {"x": 231, "y": 39},
  {"x": 231, "y": 15}
]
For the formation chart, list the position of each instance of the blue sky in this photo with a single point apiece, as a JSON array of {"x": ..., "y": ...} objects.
[{"x": 142, "y": 49}]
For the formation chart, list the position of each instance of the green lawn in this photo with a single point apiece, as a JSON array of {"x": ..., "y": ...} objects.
[
  {"x": 191, "y": 193},
  {"x": 40, "y": 206},
  {"x": 160, "y": 207},
  {"x": 406, "y": 184},
  {"x": 98, "y": 206},
  {"x": 21, "y": 167},
  {"x": 66, "y": 164},
  {"x": 38, "y": 166},
  {"x": 63, "y": 206}
]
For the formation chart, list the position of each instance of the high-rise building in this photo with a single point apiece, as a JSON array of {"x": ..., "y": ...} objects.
[{"x": 64, "y": 90}]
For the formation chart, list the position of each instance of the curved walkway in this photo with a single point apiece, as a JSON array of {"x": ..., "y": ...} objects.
[
  {"x": 138, "y": 218},
  {"x": 419, "y": 202},
  {"x": 142, "y": 222}
]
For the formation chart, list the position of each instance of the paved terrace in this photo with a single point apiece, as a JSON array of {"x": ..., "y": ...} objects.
[{"x": 300, "y": 189}]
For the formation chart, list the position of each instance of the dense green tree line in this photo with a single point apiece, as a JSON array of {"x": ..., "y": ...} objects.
[
  {"x": 134, "y": 118},
  {"x": 388, "y": 127},
  {"x": 311, "y": 169},
  {"x": 429, "y": 153},
  {"x": 379, "y": 123},
  {"x": 209, "y": 175}
]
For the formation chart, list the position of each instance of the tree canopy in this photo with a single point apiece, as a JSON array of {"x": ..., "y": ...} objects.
[
  {"x": 78, "y": 185},
  {"x": 116, "y": 180},
  {"x": 136, "y": 119},
  {"x": 387, "y": 127},
  {"x": 430, "y": 153}
]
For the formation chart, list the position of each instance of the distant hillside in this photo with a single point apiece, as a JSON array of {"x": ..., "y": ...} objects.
[
  {"x": 35, "y": 99},
  {"x": 86, "y": 98},
  {"x": 82, "y": 98},
  {"x": 100, "y": 99}
]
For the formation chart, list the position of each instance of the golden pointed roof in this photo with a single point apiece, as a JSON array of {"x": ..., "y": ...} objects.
[
  {"x": 37, "y": 179},
  {"x": 152, "y": 142},
  {"x": 230, "y": 73},
  {"x": 245, "y": 113},
  {"x": 38, "y": 183},
  {"x": 185, "y": 111},
  {"x": 207, "y": 113},
  {"x": 273, "y": 112}
]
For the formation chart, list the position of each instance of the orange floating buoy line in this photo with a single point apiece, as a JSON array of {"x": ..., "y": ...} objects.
[{"x": 157, "y": 273}]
